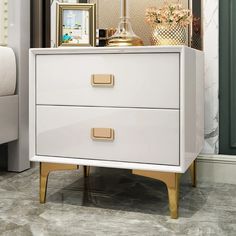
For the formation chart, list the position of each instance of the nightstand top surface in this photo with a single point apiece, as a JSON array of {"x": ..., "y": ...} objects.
[{"x": 109, "y": 50}]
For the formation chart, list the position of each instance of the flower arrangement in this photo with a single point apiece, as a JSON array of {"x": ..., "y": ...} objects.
[{"x": 170, "y": 14}]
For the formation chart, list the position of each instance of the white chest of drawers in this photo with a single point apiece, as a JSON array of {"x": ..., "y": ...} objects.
[{"x": 143, "y": 110}]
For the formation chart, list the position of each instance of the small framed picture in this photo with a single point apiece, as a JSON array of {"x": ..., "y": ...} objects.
[{"x": 76, "y": 24}]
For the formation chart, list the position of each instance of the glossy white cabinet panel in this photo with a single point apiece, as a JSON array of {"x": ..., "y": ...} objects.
[
  {"x": 156, "y": 106},
  {"x": 141, "y": 80},
  {"x": 141, "y": 135},
  {"x": 192, "y": 106}
]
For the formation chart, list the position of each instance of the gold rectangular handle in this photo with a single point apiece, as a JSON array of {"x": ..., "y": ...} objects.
[
  {"x": 102, "y": 80},
  {"x": 106, "y": 134}
]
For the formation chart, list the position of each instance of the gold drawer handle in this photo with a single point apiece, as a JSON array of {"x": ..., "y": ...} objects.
[
  {"x": 102, "y": 80},
  {"x": 105, "y": 134}
]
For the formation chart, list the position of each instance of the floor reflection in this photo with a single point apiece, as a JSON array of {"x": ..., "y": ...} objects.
[{"x": 120, "y": 190}]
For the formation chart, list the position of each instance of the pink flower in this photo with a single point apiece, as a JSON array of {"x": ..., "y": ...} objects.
[{"x": 169, "y": 14}]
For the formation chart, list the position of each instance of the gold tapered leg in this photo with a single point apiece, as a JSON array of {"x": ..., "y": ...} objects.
[
  {"x": 172, "y": 182},
  {"x": 173, "y": 194},
  {"x": 43, "y": 183},
  {"x": 193, "y": 172},
  {"x": 86, "y": 171},
  {"x": 45, "y": 169}
]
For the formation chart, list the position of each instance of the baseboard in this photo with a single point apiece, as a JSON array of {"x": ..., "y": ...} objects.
[{"x": 217, "y": 169}]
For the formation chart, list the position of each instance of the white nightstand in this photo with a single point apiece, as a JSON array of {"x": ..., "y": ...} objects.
[{"x": 139, "y": 108}]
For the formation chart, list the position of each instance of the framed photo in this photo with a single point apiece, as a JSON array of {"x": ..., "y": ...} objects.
[{"x": 76, "y": 24}]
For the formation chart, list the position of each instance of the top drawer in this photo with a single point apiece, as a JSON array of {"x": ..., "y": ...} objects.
[{"x": 140, "y": 80}]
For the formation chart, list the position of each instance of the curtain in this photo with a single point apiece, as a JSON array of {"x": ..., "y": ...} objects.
[{"x": 40, "y": 23}]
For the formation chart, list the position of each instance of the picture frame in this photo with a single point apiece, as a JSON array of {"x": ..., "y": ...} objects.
[{"x": 76, "y": 25}]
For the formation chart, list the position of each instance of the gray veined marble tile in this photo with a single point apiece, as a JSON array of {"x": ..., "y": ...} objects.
[
  {"x": 211, "y": 49},
  {"x": 112, "y": 202}
]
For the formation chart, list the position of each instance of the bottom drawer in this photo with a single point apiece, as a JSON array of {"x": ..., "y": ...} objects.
[{"x": 114, "y": 134}]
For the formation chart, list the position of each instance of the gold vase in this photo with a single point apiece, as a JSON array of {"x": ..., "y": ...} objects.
[{"x": 169, "y": 35}]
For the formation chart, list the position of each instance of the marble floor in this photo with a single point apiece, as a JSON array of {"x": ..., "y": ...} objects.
[{"x": 112, "y": 202}]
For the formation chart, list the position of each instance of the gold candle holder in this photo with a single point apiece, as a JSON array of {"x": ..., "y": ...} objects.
[{"x": 124, "y": 35}]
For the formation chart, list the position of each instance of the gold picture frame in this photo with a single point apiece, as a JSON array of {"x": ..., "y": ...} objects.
[{"x": 76, "y": 25}]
